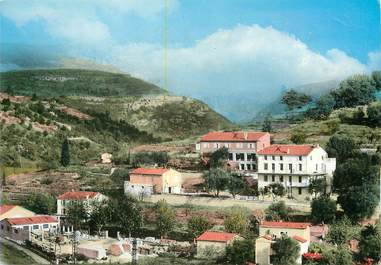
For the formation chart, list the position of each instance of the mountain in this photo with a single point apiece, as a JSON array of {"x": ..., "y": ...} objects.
[{"x": 315, "y": 90}]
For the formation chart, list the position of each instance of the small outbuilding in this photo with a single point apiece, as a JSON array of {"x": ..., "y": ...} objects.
[{"x": 212, "y": 243}]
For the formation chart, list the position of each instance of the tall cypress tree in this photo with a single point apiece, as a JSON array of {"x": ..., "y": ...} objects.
[{"x": 65, "y": 153}]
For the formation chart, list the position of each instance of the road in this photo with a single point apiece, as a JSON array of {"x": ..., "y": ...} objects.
[{"x": 38, "y": 259}]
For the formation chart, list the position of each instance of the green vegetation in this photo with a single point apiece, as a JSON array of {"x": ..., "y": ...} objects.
[
  {"x": 323, "y": 209},
  {"x": 286, "y": 251},
  {"x": 237, "y": 221},
  {"x": 65, "y": 153},
  {"x": 278, "y": 212},
  {"x": 165, "y": 218},
  {"x": 370, "y": 243},
  {"x": 69, "y": 82},
  {"x": 40, "y": 203},
  {"x": 197, "y": 225},
  {"x": 293, "y": 99},
  {"x": 342, "y": 231},
  {"x": 240, "y": 252},
  {"x": 12, "y": 256}
]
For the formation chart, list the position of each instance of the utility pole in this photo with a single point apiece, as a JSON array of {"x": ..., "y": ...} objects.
[{"x": 134, "y": 251}]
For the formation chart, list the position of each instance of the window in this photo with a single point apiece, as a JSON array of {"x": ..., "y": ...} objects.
[
  {"x": 242, "y": 166},
  {"x": 265, "y": 166},
  {"x": 254, "y": 166},
  {"x": 132, "y": 186},
  {"x": 300, "y": 191},
  {"x": 273, "y": 157},
  {"x": 36, "y": 227},
  {"x": 273, "y": 178},
  {"x": 300, "y": 179},
  {"x": 273, "y": 166},
  {"x": 281, "y": 158},
  {"x": 265, "y": 157},
  {"x": 142, "y": 187},
  {"x": 290, "y": 179},
  {"x": 16, "y": 231},
  {"x": 248, "y": 166},
  {"x": 230, "y": 156},
  {"x": 265, "y": 178},
  {"x": 300, "y": 167},
  {"x": 316, "y": 167},
  {"x": 281, "y": 166},
  {"x": 25, "y": 227},
  {"x": 240, "y": 156},
  {"x": 2, "y": 227},
  {"x": 290, "y": 167},
  {"x": 217, "y": 145},
  {"x": 45, "y": 226},
  {"x": 300, "y": 158},
  {"x": 280, "y": 178}
]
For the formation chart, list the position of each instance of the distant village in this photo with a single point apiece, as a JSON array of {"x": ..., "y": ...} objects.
[{"x": 291, "y": 168}]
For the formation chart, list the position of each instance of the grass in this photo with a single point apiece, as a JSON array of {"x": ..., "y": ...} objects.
[{"x": 12, "y": 256}]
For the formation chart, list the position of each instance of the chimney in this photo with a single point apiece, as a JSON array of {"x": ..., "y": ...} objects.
[
  {"x": 245, "y": 135},
  {"x": 288, "y": 150}
]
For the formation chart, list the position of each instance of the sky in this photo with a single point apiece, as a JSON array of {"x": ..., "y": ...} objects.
[{"x": 236, "y": 55}]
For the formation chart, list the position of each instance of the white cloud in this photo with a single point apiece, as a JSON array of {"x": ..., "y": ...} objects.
[
  {"x": 237, "y": 70},
  {"x": 76, "y": 20}
]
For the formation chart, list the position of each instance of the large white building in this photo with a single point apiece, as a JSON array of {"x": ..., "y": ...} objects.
[
  {"x": 294, "y": 166},
  {"x": 86, "y": 197},
  {"x": 242, "y": 146}
]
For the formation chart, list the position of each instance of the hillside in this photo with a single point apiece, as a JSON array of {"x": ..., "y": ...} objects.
[
  {"x": 97, "y": 112},
  {"x": 71, "y": 82}
]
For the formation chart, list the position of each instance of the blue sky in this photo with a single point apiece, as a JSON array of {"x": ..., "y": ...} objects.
[{"x": 218, "y": 50}]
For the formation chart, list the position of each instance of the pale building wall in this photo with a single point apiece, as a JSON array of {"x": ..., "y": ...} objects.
[
  {"x": 263, "y": 251},
  {"x": 304, "y": 233},
  {"x": 16, "y": 212},
  {"x": 207, "y": 248},
  {"x": 63, "y": 204},
  {"x": 140, "y": 190},
  {"x": 172, "y": 181}
]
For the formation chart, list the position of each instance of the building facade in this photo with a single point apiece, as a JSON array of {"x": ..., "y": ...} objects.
[
  {"x": 294, "y": 166},
  {"x": 213, "y": 244},
  {"x": 242, "y": 146},
  {"x": 146, "y": 181},
  {"x": 20, "y": 228},
  {"x": 270, "y": 231},
  {"x": 86, "y": 197}
]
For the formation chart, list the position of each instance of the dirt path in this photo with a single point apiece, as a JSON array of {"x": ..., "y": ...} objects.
[{"x": 34, "y": 256}]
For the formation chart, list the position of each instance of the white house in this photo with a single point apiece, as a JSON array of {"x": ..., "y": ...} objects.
[
  {"x": 294, "y": 166},
  {"x": 87, "y": 197}
]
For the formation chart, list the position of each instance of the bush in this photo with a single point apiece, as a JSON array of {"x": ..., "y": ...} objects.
[
  {"x": 323, "y": 209},
  {"x": 277, "y": 212},
  {"x": 240, "y": 252}
]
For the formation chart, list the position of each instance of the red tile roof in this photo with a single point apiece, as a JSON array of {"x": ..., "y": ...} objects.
[
  {"x": 6, "y": 208},
  {"x": 149, "y": 171},
  {"x": 283, "y": 149},
  {"x": 77, "y": 195},
  {"x": 232, "y": 136},
  {"x": 293, "y": 225},
  {"x": 216, "y": 236},
  {"x": 38, "y": 219},
  {"x": 300, "y": 239}
]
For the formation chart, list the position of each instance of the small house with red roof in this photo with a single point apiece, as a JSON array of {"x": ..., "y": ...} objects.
[
  {"x": 87, "y": 197},
  {"x": 13, "y": 211},
  {"x": 294, "y": 166},
  {"x": 213, "y": 243},
  {"x": 146, "y": 181},
  {"x": 19, "y": 228},
  {"x": 242, "y": 146},
  {"x": 269, "y": 231}
]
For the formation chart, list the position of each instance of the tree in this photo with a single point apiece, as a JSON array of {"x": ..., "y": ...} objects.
[
  {"x": 235, "y": 184},
  {"x": 376, "y": 75},
  {"x": 277, "y": 189},
  {"x": 293, "y": 99},
  {"x": 286, "y": 251},
  {"x": 357, "y": 184},
  {"x": 165, "y": 217},
  {"x": 374, "y": 115},
  {"x": 237, "y": 221},
  {"x": 278, "y": 211},
  {"x": 340, "y": 232},
  {"x": 65, "y": 153},
  {"x": 219, "y": 157},
  {"x": 322, "y": 109},
  {"x": 40, "y": 203},
  {"x": 355, "y": 91},
  {"x": 337, "y": 256},
  {"x": 126, "y": 213},
  {"x": 197, "y": 225},
  {"x": 298, "y": 138},
  {"x": 341, "y": 147},
  {"x": 6, "y": 104},
  {"x": 240, "y": 252},
  {"x": 100, "y": 215},
  {"x": 77, "y": 214},
  {"x": 216, "y": 179},
  {"x": 318, "y": 186},
  {"x": 323, "y": 210},
  {"x": 370, "y": 242},
  {"x": 267, "y": 124}
]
